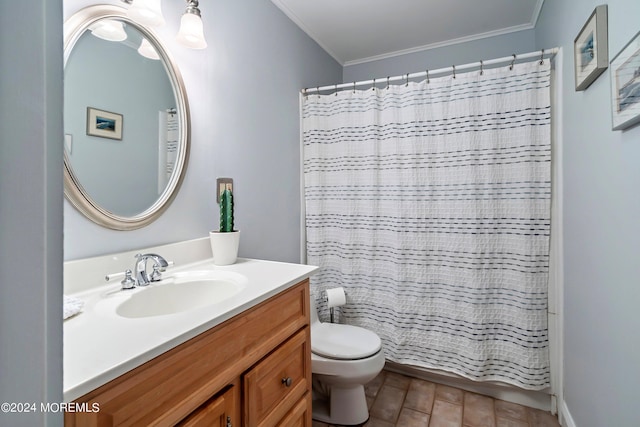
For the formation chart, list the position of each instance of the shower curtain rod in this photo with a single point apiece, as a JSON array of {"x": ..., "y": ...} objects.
[{"x": 541, "y": 54}]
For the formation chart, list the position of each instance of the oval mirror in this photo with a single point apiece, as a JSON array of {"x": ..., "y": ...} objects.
[{"x": 126, "y": 120}]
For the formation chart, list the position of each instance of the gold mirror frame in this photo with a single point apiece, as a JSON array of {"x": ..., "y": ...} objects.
[{"x": 74, "y": 27}]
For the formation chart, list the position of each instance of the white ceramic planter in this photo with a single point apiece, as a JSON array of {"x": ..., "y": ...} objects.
[{"x": 224, "y": 246}]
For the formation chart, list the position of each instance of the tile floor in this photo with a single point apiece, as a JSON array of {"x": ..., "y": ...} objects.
[{"x": 400, "y": 401}]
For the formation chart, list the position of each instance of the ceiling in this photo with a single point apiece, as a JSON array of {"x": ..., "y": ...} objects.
[{"x": 356, "y": 31}]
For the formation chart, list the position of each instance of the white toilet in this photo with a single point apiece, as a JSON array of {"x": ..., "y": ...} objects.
[{"x": 343, "y": 359}]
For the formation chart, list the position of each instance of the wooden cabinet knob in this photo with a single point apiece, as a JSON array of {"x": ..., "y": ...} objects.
[{"x": 287, "y": 381}]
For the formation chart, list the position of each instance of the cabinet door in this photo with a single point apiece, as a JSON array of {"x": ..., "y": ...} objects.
[
  {"x": 219, "y": 411},
  {"x": 278, "y": 382}
]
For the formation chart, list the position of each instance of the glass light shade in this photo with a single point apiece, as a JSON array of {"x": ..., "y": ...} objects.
[
  {"x": 147, "y": 50},
  {"x": 191, "y": 33},
  {"x": 110, "y": 30},
  {"x": 146, "y": 12}
]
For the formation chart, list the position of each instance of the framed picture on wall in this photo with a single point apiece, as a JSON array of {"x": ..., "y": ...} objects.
[
  {"x": 104, "y": 124},
  {"x": 625, "y": 85},
  {"x": 590, "y": 49}
]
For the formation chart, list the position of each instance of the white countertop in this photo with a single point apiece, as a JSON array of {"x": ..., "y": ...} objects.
[{"x": 99, "y": 345}]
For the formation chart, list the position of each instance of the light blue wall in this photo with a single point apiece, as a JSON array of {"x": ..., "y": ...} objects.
[
  {"x": 601, "y": 228},
  {"x": 456, "y": 54},
  {"x": 243, "y": 92},
  {"x": 31, "y": 210}
]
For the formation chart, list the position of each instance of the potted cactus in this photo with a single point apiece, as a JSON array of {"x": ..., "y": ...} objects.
[
  {"x": 226, "y": 211},
  {"x": 225, "y": 241}
]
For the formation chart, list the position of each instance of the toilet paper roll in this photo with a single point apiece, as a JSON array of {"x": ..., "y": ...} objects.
[{"x": 336, "y": 297}]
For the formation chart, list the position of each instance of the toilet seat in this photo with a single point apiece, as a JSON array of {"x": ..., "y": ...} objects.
[{"x": 343, "y": 342}]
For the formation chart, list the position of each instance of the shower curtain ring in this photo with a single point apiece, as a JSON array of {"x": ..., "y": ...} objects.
[
  {"x": 481, "y": 67},
  {"x": 454, "y": 71},
  {"x": 512, "y": 61},
  {"x": 336, "y": 89},
  {"x": 542, "y": 57},
  {"x": 427, "y": 76},
  {"x": 318, "y": 90},
  {"x": 407, "y": 83},
  {"x": 354, "y": 87},
  {"x": 373, "y": 86},
  {"x": 304, "y": 92},
  {"x": 387, "y": 82}
]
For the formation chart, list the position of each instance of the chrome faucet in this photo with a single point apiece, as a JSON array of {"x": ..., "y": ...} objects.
[{"x": 159, "y": 265}]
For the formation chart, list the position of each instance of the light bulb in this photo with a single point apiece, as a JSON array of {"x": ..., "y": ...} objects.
[
  {"x": 108, "y": 29},
  {"x": 147, "y": 50}
]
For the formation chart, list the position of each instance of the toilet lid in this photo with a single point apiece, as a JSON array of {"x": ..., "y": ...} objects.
[{"x": 344, "y": 342}]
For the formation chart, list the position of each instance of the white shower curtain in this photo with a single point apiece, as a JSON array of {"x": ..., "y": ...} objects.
[{"x": 430, "y": 204}]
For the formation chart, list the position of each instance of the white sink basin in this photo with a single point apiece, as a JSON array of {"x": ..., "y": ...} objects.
[{"x": 181, "y": 292}]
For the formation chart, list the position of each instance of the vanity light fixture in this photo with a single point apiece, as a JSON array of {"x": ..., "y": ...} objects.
[
  {"x": 191, "y": 32},
  {"x": 110, "y": 30},
  {"x": 147, "y": 50},
  {"x": 149, "y": 12},
  {"x": 146, "y": 12}
]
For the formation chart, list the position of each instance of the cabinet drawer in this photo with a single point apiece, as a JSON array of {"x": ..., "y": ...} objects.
[
  {"x": 299, "y": 415},
  {"x": 278, "y": 382}
]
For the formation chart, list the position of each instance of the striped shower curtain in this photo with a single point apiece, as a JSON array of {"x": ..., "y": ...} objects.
[{"x": 430, "y": 204}]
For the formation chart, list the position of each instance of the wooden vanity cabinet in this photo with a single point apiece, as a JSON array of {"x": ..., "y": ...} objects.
[{"x": 252, "y": 370}]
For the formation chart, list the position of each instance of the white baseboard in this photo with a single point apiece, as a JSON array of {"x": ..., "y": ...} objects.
[{"x": 564, "y": 416}]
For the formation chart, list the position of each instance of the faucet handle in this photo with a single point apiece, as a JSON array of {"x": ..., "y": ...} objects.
[
  {"x": 158, "y": 269},
  {"x": 128, "y": 282},
  {"x": 156, "y": 275}
]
